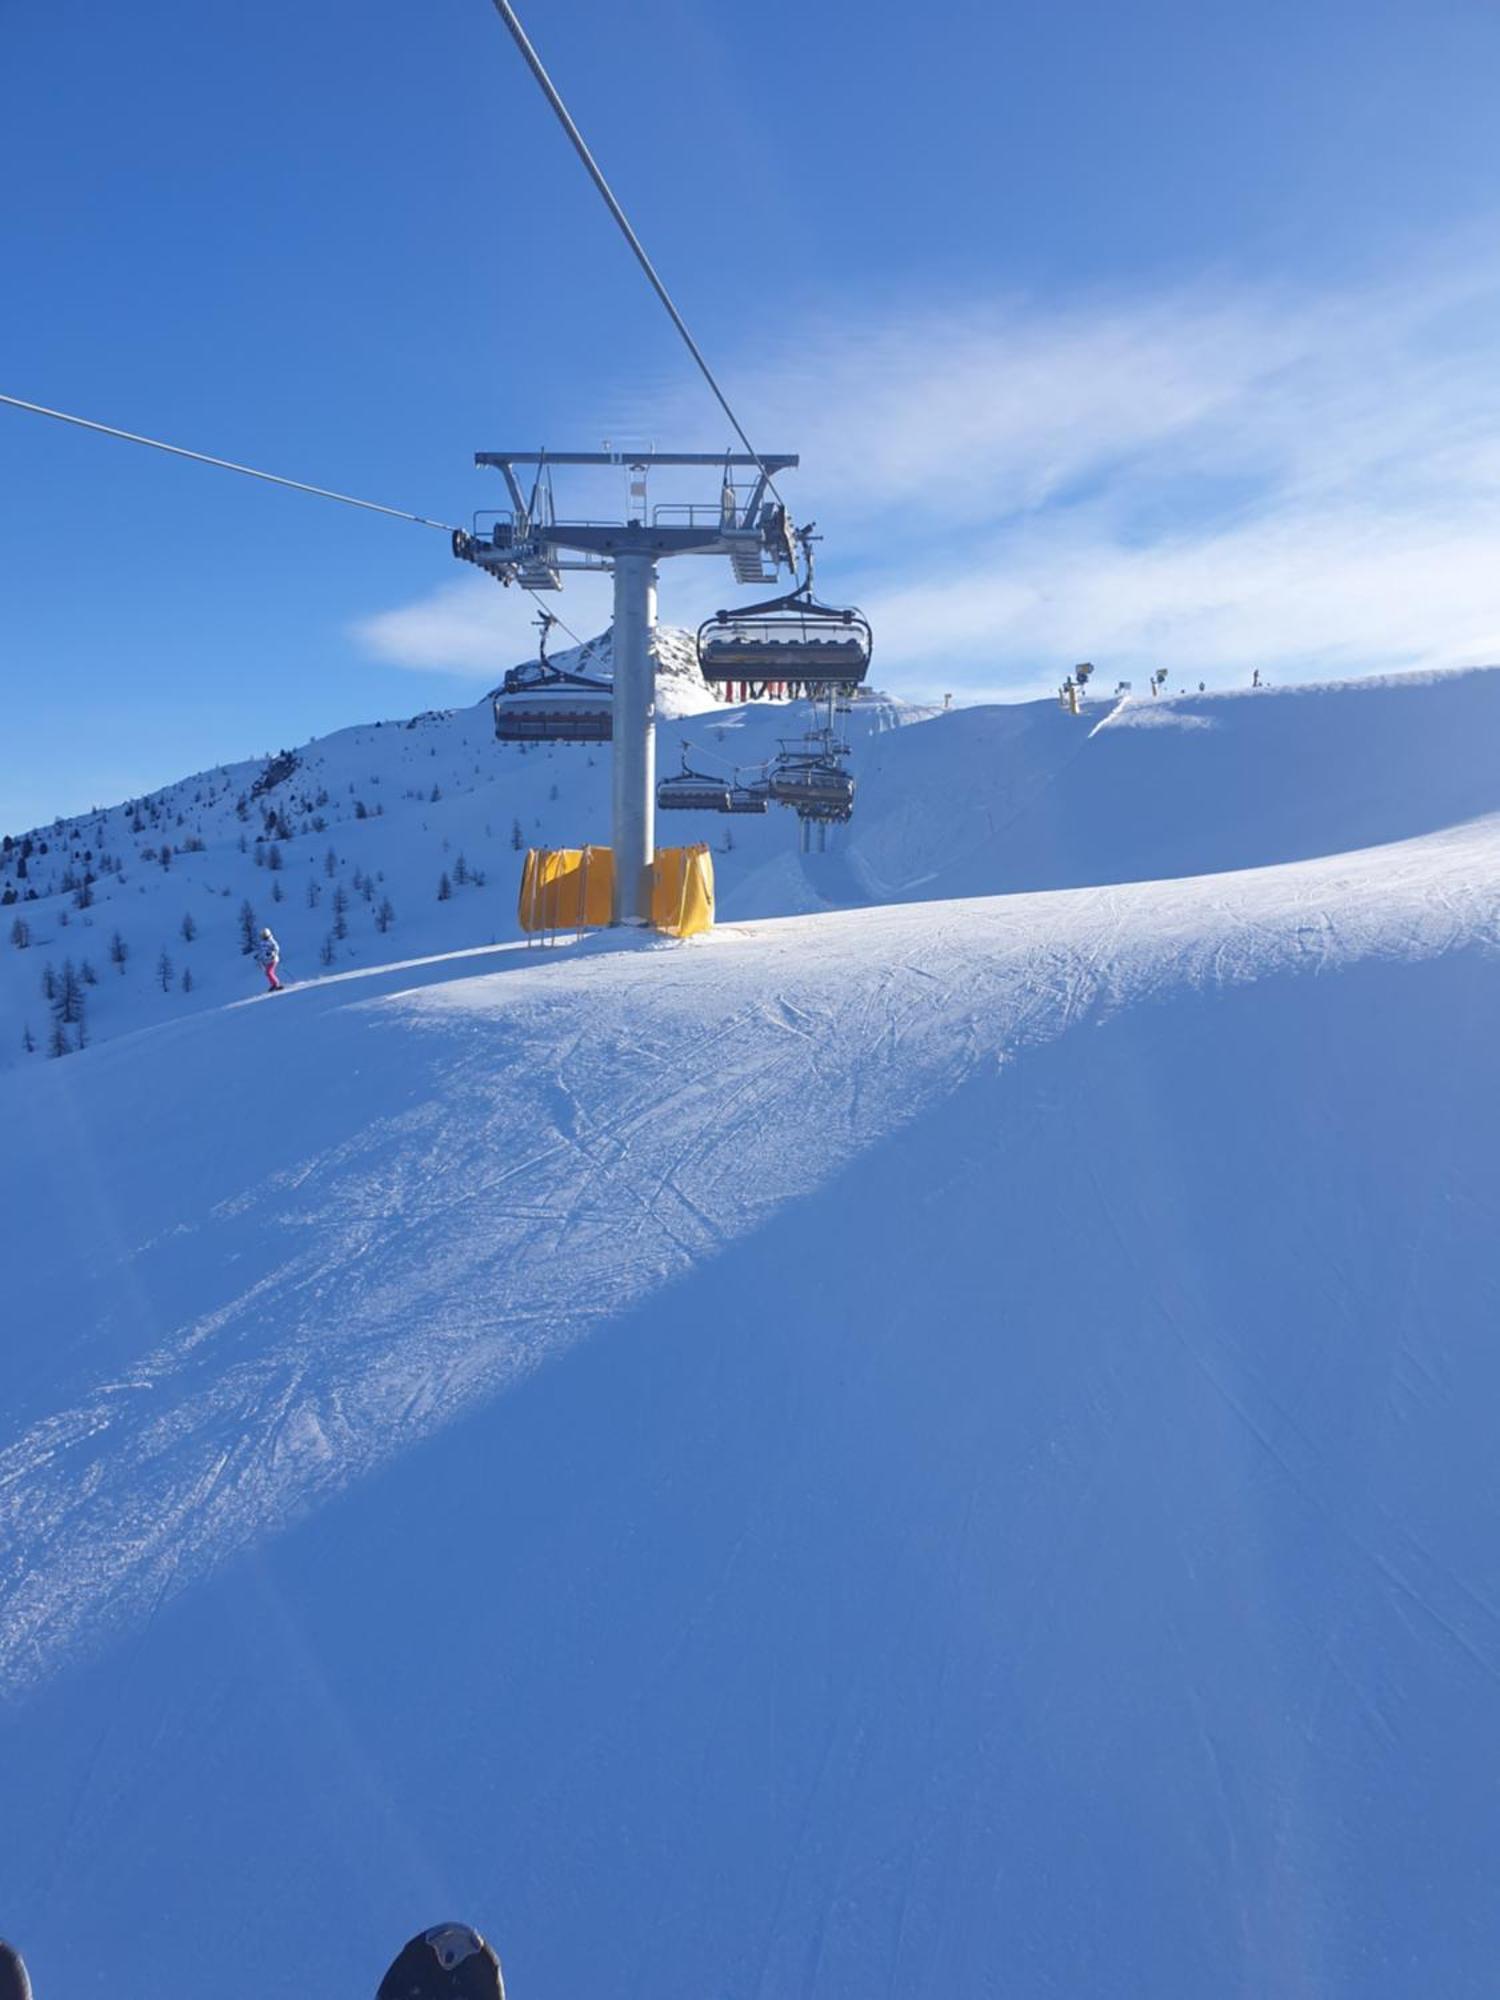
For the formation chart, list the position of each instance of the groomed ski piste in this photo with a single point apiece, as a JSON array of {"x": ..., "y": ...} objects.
[{"x": 938, "y": 1446}]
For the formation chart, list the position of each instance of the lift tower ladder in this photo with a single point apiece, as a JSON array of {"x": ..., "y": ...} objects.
[{"x": 532, "y": 547}]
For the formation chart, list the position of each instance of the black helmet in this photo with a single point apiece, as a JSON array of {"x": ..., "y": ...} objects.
[
  {"x": 448, "y": 1962},
  {"x": 14, "y": 1985}
]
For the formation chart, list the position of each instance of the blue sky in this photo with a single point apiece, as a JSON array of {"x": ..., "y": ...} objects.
[{"x": 1153, "y": 334}]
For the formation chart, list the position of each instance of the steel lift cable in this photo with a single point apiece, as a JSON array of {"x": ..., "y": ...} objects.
[
  {"x": 228, "y": 465},
  {"x": 536, "y": 599},
  {"x": 711, "y": 756},
  {"x": 549, "y": 90},
  {"x": 251, "y": 472}
]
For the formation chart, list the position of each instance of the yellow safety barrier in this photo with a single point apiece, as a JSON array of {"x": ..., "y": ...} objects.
[
  {"x": 682, "y": 891},
  {"x": 567, "y": 888},
  {"x": 572, "y": 889}
]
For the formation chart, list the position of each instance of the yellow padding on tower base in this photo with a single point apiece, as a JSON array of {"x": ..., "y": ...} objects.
[
  {"x": 567, "y": 888},
  {"x": 572, "y": 889},
  {"x": 682, "y": 891}
]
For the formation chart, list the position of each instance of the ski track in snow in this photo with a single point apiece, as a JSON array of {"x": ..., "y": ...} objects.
[{"x": 589, "y": 1126}]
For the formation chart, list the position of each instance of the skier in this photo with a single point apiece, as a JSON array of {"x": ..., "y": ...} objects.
[
  {"x": 14, "y": 1985},
  {"x": 448, "y": 1962},
  {"x": 269, "y": 956}
]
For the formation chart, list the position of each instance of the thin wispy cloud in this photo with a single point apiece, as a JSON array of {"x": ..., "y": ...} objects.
[
  {"x": 474, "y": 627},
  {"x": 1209, "y": 478}
]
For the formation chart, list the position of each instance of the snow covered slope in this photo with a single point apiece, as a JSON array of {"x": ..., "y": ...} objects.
[
  {"x": 936, "y": 1446},
  {"x": 346, "y": 846},
  {"x": 389, "y": 840},
  {"x": 1026, "y": 797},
  {"x": 931, "y": 1449}
]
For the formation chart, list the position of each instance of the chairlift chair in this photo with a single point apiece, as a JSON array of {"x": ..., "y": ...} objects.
[
  {"x": 690, "y": 791},
  {"x": 747, "y": 799},
  {"x": 792, "y": 638},
  {"x": 826, "y": 812},
  {"x": 811, "y": 782},
  {"x": 543, "y": 703}
]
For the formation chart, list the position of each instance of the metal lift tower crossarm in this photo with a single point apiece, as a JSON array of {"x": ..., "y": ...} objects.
[
  {"x": 528, "y": 550},
  {"x": 695, "y": 540}
]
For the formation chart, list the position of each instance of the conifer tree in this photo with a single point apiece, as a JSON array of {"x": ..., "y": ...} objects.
[{"x": 70, "y": 995}]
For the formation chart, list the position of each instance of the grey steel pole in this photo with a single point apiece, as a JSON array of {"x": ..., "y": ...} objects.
[{"x": 634, "y": 834}]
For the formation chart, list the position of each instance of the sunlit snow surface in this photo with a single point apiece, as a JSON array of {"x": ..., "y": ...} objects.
[{"x": 936, "y": 1448}]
